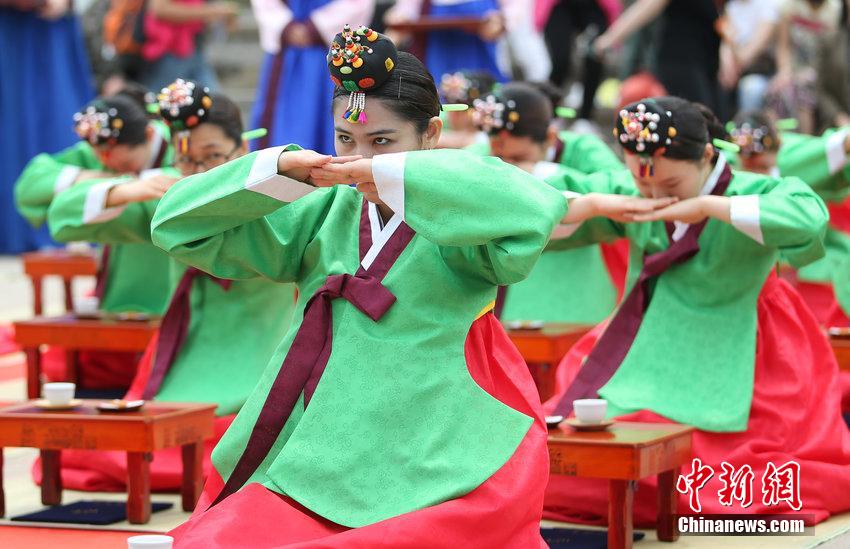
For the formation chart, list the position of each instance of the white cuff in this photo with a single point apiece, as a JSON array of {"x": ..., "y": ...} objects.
[
  {"x": 94, "y": 209},
  {"x": 264, "y": 179},
  {"x": 836, "y": 155},
  {"x": 66, "y": 178},
  {"x": 569, "y": 195},
  {"x": 388, "y": 171},
  {"x": 744, "y": 214}
]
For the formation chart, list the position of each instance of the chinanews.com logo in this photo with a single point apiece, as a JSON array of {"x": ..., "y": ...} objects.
[{"x": 780, "y": 488}]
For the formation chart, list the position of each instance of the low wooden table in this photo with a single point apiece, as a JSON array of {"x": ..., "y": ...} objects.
[
  {"x": 75, "y": 334},
  {"x": 624, "y": 454},
  {"x": 154, "y": 427},
  {"x": 67, "y": 265},
  {"x": 543, "y": 349}
]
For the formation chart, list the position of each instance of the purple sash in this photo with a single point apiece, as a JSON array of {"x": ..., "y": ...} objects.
[
  {"x": 173, "y": 329},
  {"x": 308, "y": 355},
  {"x": 611, "y": 349}
]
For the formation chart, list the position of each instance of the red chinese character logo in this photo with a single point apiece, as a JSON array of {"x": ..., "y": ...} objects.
[
  {"x": 737, "y": 485},
  {"x": 782, "y": 484},
  {"x": 692, "y": 483}
]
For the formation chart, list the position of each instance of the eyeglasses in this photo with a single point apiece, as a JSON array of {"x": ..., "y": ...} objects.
[{"x": 207, "y": 163}]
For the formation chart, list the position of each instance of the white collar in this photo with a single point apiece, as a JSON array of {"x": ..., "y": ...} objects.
[{"x": 381, "y": 233}]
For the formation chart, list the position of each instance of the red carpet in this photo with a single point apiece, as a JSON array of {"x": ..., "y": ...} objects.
[{"x": 64, "y": 538}]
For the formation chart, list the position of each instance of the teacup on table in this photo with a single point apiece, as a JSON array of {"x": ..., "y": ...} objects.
[
  {"x": 150, "y": 542},
  {"x": 58, "y": 393},
  {"x": 590, "y": 410},
  {"x": 86, "y": 306}
]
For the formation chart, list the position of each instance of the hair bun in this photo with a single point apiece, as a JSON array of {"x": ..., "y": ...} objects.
[
  {"x": 361, "y": 60},
  {"x": 184, "y": 104},
  {"x": 645, "y": 128}
]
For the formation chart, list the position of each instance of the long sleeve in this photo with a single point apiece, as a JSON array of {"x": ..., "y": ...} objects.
[
  {"x": 596, "y": 229},
  {"x": 494, "y": 214},
  {"x": 781, "y": 213},
  {"x": 821, "y": 162},
  {"x": 80, "y": 214},
  {"x": 47, "y": 175},
  {"x": 241, "y": 220}
]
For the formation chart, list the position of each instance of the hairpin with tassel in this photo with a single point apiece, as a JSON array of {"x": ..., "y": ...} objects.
[
  {"x": 184, "y": 104},
  {"x": 359, "y": 61},
  {"x": 646, "y": 130}
]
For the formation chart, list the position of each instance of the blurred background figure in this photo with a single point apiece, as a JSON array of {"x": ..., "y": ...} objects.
[
  {"x": 294, "y": 91},
  {"x": 564, "y": 22},
  {"x": 447, "y": 51},
  {"x": 44, "y": 78},
  {"x": 811, "y": 81},
  {"x": 687, "y": 55},
  {"x": 747, "y": 58}
]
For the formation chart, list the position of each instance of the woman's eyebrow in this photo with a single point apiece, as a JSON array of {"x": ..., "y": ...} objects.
[{"x": 380, "y": 132}]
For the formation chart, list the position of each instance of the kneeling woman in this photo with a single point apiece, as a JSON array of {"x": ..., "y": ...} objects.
[
  {"x": 708, "y": 335},
  {"x": 216, "y": 335},
  {"x": 367, "y": 427}
]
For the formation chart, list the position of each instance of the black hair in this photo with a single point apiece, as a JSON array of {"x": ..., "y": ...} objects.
[
  {"x": 761, "y": 128},
  {"x": 225, "y": 114},
  {"x": 140, "y": 95},
  {"x": 550, "y": 90},
  {"x": 134, "y": 120},
  {"x": 409, "y": 92},
  {"x": 533, "y": 107},
  {"x": 695, "y": 126}
]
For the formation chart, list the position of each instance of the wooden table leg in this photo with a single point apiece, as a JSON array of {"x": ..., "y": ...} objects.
[
  {"x": 37, "y": 304},
  {"x": 193, "y": 474},
  {"x": 69, "y": 295},
  {"x": 2, "y": 493},
  {"x": 33, "y": 372},
  {"x": 667, "y": 500},
  {"x": 621, "y": 495},
  {"x": 51, "y": 477},
  {"x": 138, "y": 487},
  {"x": 72, "y": 366}
]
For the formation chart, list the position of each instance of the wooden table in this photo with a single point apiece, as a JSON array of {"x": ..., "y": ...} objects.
[
  {"x": 67, "y": 265},
  {"x": 624, "y": 454},
  {"x": 154, "y": 427},
  {"x": 75, "y": 334},
  {"x": 543, "y": 349}
]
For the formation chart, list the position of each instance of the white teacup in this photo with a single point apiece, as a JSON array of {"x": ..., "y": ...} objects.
[
  {"x": 150, "y": 542},
  {"x": 86, "y": 305},
  {"x": 58, "y": 394},
  {"x": 590, "y": 410}
]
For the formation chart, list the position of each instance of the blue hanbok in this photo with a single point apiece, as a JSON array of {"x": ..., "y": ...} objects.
[
  {"x": 45, "y": 78},
  {"x": 294, "y": 92}
]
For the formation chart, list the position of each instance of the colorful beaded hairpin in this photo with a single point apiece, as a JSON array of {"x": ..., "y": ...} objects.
[
  {"x": 359, "y": 61},
  {"x": 646, "y": 130},
  {"x": 751, "y": 139},
  {"x": 491, "y": 115},
  {"x": 97, "y": 126},
  {"x": 183, "y": 105}
]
